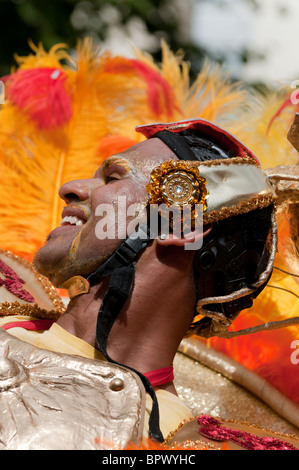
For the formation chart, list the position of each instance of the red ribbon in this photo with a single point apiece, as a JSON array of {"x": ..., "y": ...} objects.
[
  {"x": 160, "y": 376},
  {"x": 34, "y": 325},
  {"x": 213, "y": 429}
]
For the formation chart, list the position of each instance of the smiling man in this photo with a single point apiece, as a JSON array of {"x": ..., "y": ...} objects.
[
  {"x": 133, "y": 300},
  {"x": 166, "y": 281}
]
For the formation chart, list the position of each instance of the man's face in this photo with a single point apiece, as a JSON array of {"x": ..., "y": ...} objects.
[{"x": 76, "y": 247}]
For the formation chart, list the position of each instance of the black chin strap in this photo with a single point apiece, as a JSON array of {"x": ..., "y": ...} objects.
[{"x": 121, "y": 267}]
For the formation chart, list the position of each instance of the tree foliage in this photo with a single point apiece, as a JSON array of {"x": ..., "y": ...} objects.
[{"x": 67, "y": 20}]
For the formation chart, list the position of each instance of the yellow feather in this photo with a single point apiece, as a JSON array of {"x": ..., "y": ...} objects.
[
  {"x": 272, "y": 148},
  {"x": 41, "y": 58},
  {"x": 34, "y": 163}
]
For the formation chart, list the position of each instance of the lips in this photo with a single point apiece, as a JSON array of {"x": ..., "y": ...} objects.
[
  {"x": 73, "y": 216},
  {"x": 73, "y": 219}
]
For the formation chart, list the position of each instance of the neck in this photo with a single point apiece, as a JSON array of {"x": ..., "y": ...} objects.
[
  {"x": 149, "y": 328},
  {"x": 80, "y": 318}
]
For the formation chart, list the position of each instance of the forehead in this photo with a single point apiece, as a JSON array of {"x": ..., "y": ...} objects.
[{"x": 147, "y": 155}]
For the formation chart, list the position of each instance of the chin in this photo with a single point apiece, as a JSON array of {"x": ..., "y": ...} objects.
[
  {"x": 48, "y": 267},
  {"x": 51, "y": 260},
  {"x": 59, "y": 270},
  {"x": 59, "y": 262}
]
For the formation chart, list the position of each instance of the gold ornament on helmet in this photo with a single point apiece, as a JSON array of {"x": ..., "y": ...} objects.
[{"x": 177, "y": 183}]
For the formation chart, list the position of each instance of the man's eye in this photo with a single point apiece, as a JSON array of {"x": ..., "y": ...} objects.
[{"x": 111, "y": 178}]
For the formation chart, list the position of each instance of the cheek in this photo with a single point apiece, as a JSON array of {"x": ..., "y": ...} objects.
[
  {"x": 91, "y": 247},
  {"x": 116, "y": 211},
  {"x": 119, "y": 192}
]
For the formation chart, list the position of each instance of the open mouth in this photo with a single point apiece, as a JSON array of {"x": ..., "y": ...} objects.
[{"x": 72, "y": 220}]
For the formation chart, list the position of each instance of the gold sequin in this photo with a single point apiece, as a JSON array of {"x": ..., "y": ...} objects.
[
  {"x": 256, "y": 202},
  {"x": 198, "y": 444},
  {"x": 33, "y": 310},
  {"x": 177, "y": 183},
  {"x": 42, "y": 280}
]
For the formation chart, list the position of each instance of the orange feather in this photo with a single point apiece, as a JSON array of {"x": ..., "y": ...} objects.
[{"x": 106, "y": 98}]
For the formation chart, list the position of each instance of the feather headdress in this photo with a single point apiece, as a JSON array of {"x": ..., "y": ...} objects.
[{"x": 64, "y": 114}]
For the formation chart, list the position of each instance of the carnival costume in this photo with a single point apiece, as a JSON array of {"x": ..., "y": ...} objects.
[{"x": 61, "y": 118}]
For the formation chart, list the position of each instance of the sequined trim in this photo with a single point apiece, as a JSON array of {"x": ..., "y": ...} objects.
[
  {"x": 214, "y": 429},
  {"x": 198, "y": 444},
  {"x": 226, "y": 161},
  {"x": 194, "y": 445},
  {"x": 15, "y": 308},
  {"x": 188, "y": 443},
  {"x": 43, "y": 281},
  {"x": 256, "y": 202}
]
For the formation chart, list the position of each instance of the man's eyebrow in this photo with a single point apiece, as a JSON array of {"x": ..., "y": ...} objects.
[{"x": 116, "y": 160}]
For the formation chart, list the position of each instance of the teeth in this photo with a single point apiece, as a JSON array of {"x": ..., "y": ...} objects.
[{"x": 71, "y": 220}]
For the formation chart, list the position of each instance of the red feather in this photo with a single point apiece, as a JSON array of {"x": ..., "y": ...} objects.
[
  {"x": 156, "y": 84},
  {"x": 42, "y": 93},
  {"x": 160, "y": 93},
  {"x": 287, "y": 102}
]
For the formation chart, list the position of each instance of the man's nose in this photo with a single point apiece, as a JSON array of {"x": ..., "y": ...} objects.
[{"x": 77, "y": 190}]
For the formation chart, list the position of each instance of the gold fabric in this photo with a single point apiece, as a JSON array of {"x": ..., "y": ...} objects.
[
  {"x": 172, "y": 410},
  {"x": 228, "y": 185},
  {"x": 213, "y": 384},
  {"x": 55, "y": 339},
  {"x": 206, "y": 384},
  {"x": 51, "y": 401}
]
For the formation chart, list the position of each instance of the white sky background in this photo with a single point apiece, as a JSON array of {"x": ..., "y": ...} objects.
[
  {"x": 272, "y": 30},
  {"x": 270, "y": 33}
]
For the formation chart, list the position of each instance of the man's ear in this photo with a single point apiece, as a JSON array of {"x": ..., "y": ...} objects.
[{"x": 189, "y": 241}]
